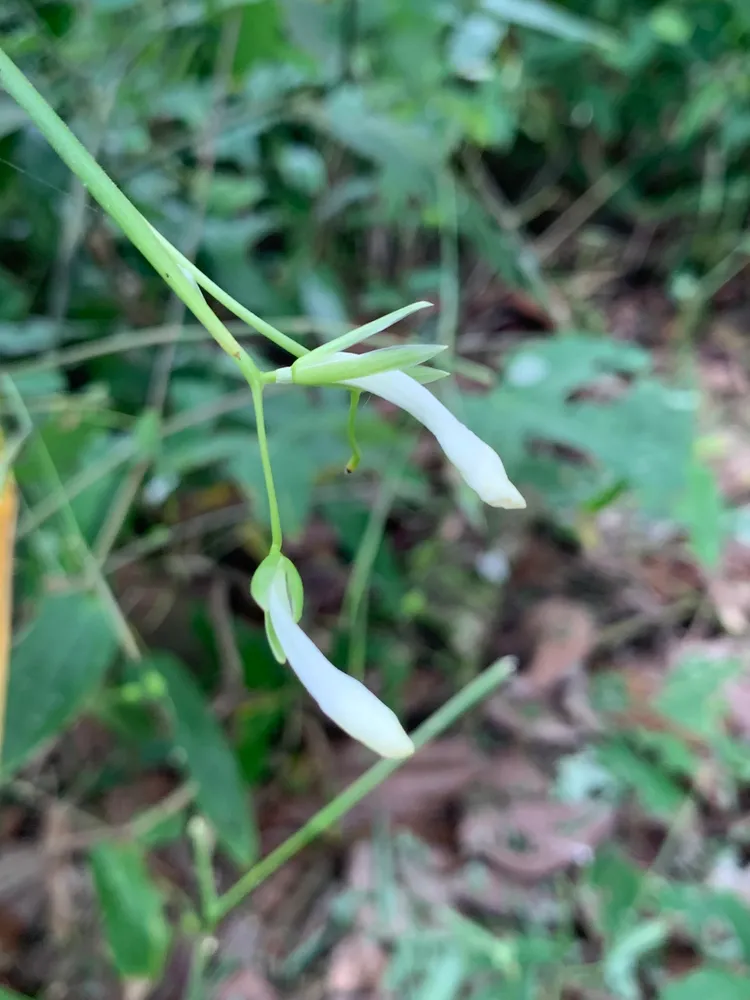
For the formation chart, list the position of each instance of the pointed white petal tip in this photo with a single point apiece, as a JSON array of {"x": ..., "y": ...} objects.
[
  {"x": 341, "y": 697},
  {"x": 504, "y": 495}
]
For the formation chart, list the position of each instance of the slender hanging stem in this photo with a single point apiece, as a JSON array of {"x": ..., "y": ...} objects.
[
  {"x": 265, "y": 458},
  {"x": 351, "y": 431}
]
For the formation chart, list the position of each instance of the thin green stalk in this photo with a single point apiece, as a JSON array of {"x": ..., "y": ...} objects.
[
  {"x": 330, "y": 814},
  {"x": 351, "y": 431},
  {"x": 159, "y": 253},
  {"x": 265, "y": 458},
  {"x": 241, "y": 312},
  {"x": 357, "y": 598},
  {"x": 203, "y": 850}
]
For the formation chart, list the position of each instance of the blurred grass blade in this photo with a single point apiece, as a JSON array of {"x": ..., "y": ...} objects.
[
  {"x": 209, "y": 761},
  {"x": 132, "y": 910},
  {"x": 55, "y": 666},
  {"x": 368, "y": 330},
  {"x": 552, "y": 20}
]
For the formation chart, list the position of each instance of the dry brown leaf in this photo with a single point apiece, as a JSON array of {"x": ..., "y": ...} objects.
[
  {"x": 563, "y": 634},
  {"x": 729, "y": 588},
  {"x": 357, "y": 965},
  {"x": 480, "y": 887},
  {"x": 245, "y": 984},
  {"x": 534, "y": 840},
  {"x": 513, "y": 773},
  {"x": 419, "y": 791},
  {"x": 541, "y": 725}
]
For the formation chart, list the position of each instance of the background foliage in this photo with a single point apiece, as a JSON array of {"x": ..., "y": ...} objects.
[{"x": 522, "y": 164}]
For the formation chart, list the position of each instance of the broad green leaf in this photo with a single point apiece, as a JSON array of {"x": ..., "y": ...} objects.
[
  {"x": 691, "y": 695},
  {"x": 702, "y": 511},
  {"x": 132, "y": 909},
  {"x": 621, "y": 961},
  {"x": 55, "y": 667},
  {"x": 618, "y": 884},
  {"x": 258, "y": 37},
  {"x": 10, "y": 995},
  {"x": 703, "y": 909},
  {"x": 552, "y": 19},
  {"x": 658, "y": 795},
  {"x": 209, "y": 761},
  {"x": 708, "y": 983},
  {"x": 368, "y": 330}
]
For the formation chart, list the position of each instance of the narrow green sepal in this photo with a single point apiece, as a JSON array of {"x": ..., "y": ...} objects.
[
  {"x": 344, "y": 367},
  {"x": 368, "y": 330},
  {"x": 425, "y": 374},
  {"x": 294, "y": 587},
  {"x": 262, "y": 577},
  {"x": 273, "y": 642}
]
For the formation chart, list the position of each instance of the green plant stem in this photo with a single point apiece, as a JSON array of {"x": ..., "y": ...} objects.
[
  {"x": 330, "y": 814},
  {"x": 203, "y": 849},
  {"x": 241, "y": 312},
  {"x": 351, "y": 430},
  {"x": 159, "y": 253},
  {"x": 265, "y": 458}
]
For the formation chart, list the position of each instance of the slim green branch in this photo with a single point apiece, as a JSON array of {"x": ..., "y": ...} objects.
[
  {"x": 351, "y": 431},
  {"x": 330, "y": 814},
  {"x": 265, "y": 458},
  {"x": 159, "y": 253}
]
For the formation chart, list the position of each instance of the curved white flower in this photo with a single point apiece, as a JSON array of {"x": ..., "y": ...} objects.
[
  {"x": 351, "y": 706},
  {"x": 480, "y": 466}
]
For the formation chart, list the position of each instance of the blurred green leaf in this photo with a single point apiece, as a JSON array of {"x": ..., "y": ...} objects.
[
  {"x": 657, "y": 793},
  {"x": 55, "y": 667},
  {"x": 626, "y": 951},
  {"x": 132, "y": 910},
  {"x": 618, "y": 883},
  {"x": 702, "y": 511},
  {"x": 259, "y": 36},
  {"x": 552, "y": 19},
  {"x": 691, "y": 694},
  {"x": 208, "y": 760},
  {"x": 705, "y": 983}
]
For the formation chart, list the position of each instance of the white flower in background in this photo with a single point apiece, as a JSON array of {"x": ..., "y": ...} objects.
[
  {"x": 480, "y": 466},
  {"x": 342, "y": 698}
]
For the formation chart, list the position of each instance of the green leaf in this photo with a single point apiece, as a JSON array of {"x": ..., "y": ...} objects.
[
  {"x": 627, "y": 950},
  {"x": 10, "y": 995},
  {"x": 658, "y": 795},
  {"x": 702, "y": 511},
  {"x": 553, "y": 20},
  {"x": 54, "y": 668},
  {"x": 209, "y": 761},
  {"x": 368, "y": 330},
  {"x": 691, "y": 695},
  {"x": 618, "y": 884},
  {"x": 708, "y": 983},
  {"x": 132, "y": 908},
  {"x": 258, "y": 37}
]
